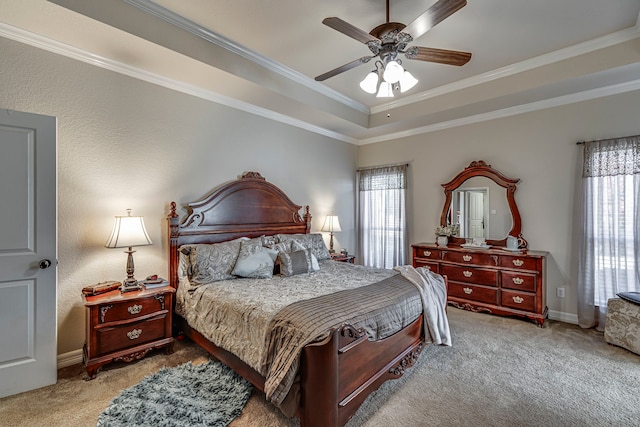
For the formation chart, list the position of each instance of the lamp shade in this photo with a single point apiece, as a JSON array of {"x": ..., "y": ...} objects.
[
  {"x": 385, "y": 91},
  {"x": 407, "y": 81},
  {"x": 128, "y": 231},
  {"x": 331, "y": 224},
  {"x": 392, "y": 72},
  {"x": 370, "y": 83}
]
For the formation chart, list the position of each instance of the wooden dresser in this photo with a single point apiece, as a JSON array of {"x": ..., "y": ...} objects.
[{"x": 491, "y": 281}]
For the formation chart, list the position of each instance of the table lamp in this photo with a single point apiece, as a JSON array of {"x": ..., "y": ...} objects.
[
  {"x": 128, "y": 231},
  {"x": 331, "y": 224}
]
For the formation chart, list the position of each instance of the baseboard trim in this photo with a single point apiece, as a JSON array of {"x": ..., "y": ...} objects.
[
  {"x": 71, "y": 358},
  {"x": 563, "y": 317}
]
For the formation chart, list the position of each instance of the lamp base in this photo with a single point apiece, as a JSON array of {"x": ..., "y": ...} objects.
[{"x": 130, "y": 285}]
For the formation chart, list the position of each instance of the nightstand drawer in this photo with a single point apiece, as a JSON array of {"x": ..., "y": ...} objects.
[
  {"x": 126, "y": 310},
  {"x": 131, "y": 334}
]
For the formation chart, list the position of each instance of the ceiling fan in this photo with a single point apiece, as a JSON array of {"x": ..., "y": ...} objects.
[{"x": 388, "y": 40}]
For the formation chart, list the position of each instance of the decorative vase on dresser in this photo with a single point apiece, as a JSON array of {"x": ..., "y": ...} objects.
[
  {"x": 491, "y": 276},
  {"x": 442, "y": 241}
]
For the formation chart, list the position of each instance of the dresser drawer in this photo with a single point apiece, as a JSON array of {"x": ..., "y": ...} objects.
[
  {"x": 480, "y": 276},
  {"x": 126, "y": 310},
  {"x": 519, "y": 300},
  {"x": 519, "y": 262},
  {"x": 433, "y": 266},
  {"x": 473, "y": 293},
  {"x": 519, "y": 281},
  {"x": 471, "y": 257},
  {"x": 426, "y": 253},
  {"x": 131, "y": 334}
]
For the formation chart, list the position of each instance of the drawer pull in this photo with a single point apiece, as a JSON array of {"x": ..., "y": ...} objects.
[
  {"x": 518, "y": 262},
  {"x": 467, "y": 257},
  {"x": 518, "y": 281},
  {"x": 467, "y": 291},
  {"x": 427, "y": 253},
  {"x": 518, "y": 300},
  {"x": 467, "y": 274},
  {"x": 427, "y": 267},
  {"x": 134, "y": 309},
  {"x": 134, "y": 334}
]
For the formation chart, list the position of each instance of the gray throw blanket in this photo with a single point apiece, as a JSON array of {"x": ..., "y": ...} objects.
[{"x": 433, "y": 292}]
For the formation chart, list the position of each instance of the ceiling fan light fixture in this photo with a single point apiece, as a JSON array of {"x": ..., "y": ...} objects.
[
  {"x": 407, "y": 81},
  {"x": 370, "y": 83},
  {"x": 392, "y": 72},
  {"x": 385, "y": 91}
]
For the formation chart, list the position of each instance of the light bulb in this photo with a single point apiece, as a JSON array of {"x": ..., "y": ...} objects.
[
  {"x": 370, "y": 83},
  {"x": 386, "y": 90},
  {"x": 392, "y": 72},
  {"x": 407, "y": 81}
]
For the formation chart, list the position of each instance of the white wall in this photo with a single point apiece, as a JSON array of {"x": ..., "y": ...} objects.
[
  {"x": 540, "y": 149},
  {"x": 124, "y": 143}
]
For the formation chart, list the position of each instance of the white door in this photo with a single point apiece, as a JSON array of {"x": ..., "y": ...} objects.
[
  {"x": 28, "y": 342},
  {"x": 476, "y": 213}
]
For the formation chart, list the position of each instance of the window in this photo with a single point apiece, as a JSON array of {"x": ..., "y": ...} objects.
[
  {"x": 382, "y": 231},
  {"x": 610, "y": 243}
]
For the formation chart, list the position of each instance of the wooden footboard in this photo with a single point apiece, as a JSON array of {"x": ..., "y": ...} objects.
[
  {"x": 336, "y": 374},
  {"x": 339, "y": 373}
]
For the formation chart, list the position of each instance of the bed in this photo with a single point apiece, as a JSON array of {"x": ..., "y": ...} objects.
[{"x": 336, "y": 371}]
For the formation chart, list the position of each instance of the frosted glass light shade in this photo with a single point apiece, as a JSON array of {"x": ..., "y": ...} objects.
[
  {"x": 407, "y": 81},
  {"x": 331, "y": 224},
  {"x": 128, "y": 231},
  {"x": 385, "y": 91},
  {"x": 392, "y": 72},
  {"x": 370, "y": 83}
]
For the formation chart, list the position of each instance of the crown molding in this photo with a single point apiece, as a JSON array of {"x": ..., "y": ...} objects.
[
  {"x": 512, "y": 111},
  {"x": 520, "y": 67},
  {"x": 53, "y": 46},
  {"x": 198, "y": 30}
]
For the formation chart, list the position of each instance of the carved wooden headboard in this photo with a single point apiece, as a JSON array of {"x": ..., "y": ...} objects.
[{"x": 246, "y": 207}]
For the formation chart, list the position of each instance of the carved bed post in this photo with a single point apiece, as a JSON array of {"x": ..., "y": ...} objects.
[
  {"x": 307, "y": 219},
  {"x": 173, "y": 246}
]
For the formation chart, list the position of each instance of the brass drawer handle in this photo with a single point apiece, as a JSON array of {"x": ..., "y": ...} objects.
[
  {"x": 518, "y": 299},
  {"x": 134, "y": 309},
  {"x": 518, "y": 281},
  {"x": 467, "y": 257},
  {"x": 427, "y": 267},
  {"x": 134, "y": 334},
  {"x": 467, "y": 274},
  {"x": 427, "y": 253},
  {"x": 518, "y": 262},
  {"x": 467, "y": 291}
]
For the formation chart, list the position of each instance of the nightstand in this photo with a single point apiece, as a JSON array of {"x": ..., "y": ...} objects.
[
  {"x": 343, "y": 258},
  {"x": 126, "y": 326}
]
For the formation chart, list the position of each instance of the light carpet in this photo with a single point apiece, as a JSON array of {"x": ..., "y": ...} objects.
[{"x": 499, "y": 372}]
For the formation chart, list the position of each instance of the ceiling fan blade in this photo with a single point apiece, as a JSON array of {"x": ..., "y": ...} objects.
[
  {"x": 441, "y": 56},
  {"x": 438, "y": 12},
  {"x": 348, "y": 29},
  {"x": 345, "y": 67}
]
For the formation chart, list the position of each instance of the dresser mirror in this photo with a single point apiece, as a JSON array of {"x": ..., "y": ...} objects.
[{"x": 480, "y": 203}]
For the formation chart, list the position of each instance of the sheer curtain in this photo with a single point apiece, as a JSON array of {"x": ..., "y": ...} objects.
[
  {"x": 382, "y": 218},
  {"x": 610, "y": 241}
]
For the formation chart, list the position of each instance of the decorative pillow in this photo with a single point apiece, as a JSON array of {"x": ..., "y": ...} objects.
[
  {"x": 268, "y": 241},
  {"x": 210, "y": 263},
  {"x": 297, "y": 262},
  {"x": 297, "y": 246},
  {"x": 255, "y": 261},
  {"x": 313, "y": 241}
]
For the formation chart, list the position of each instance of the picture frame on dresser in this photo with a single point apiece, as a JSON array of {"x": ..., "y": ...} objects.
[{"x": 492, "y": 278}]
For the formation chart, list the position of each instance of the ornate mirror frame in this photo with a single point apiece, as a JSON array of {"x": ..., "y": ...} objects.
[{"x": 480, "y": 168}]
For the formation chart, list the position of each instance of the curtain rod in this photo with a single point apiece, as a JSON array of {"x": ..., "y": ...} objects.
[
  {"x": 609, "y": 139},
  {"x": 384, "y": 166}
]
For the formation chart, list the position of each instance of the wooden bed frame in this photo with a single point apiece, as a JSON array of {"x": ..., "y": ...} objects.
[{"x": 336, "y": 374}]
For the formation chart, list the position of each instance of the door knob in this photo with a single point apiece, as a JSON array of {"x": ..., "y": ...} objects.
[{"x": 45, "y": 263}]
